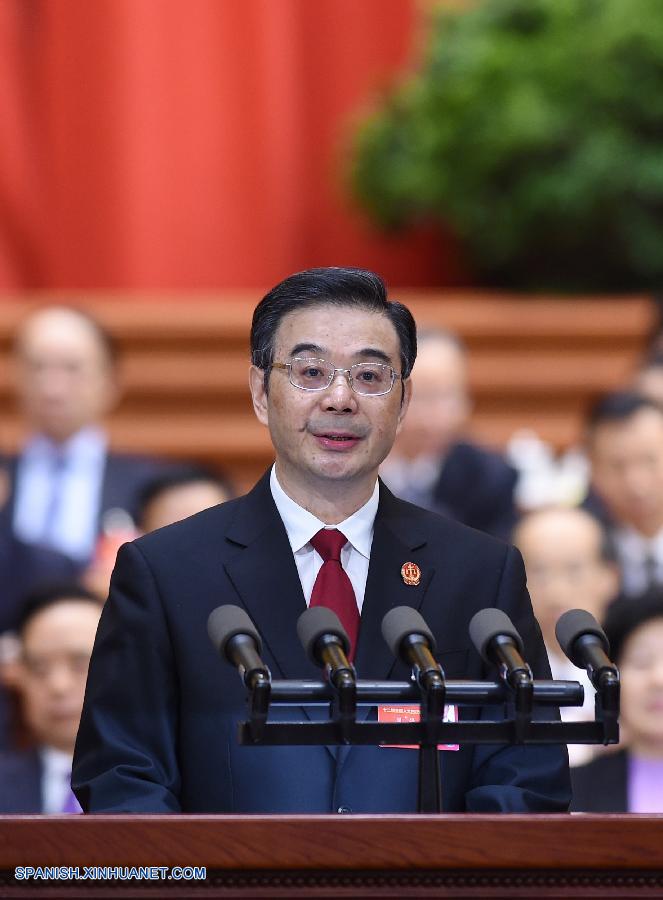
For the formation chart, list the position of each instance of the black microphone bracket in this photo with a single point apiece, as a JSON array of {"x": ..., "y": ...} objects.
[{"x": 241, "y": 651}]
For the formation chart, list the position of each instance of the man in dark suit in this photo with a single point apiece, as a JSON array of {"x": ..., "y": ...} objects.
[
  {"x": 56, "y": 633},
  {"x": 433, "y": 464},
  {"x": 625, "y": 444},
  {"x": 66, "y": 483},
  {"x": 330, "y": 378}
]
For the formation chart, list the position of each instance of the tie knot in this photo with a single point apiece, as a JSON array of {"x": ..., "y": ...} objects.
[{"x": 329, "y": 542}]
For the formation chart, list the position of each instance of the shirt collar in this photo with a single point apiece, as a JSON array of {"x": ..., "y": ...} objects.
[
  {"x": 636, "y": 547},
  {"x": 301, "y": 525},
  {"x": 87, "y": 444},
  {"x": 55, "y": 762}
]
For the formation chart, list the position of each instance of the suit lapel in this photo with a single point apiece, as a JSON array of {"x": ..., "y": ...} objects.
[
  {"x": 397, "y": 538},
  {"x": 265, "y": 576}
]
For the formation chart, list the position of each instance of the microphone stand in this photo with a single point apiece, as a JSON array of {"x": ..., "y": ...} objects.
[
  {"x": 342, "y": 727},
  {"x": 433, "y": 692}
]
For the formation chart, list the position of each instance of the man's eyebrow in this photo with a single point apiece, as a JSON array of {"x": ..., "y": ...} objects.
[
  {"x": 307, "y": 348},
  {"x": 375, "y": 353}
]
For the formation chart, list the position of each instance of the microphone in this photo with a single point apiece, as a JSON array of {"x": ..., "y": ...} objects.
[
  {"x": 584, "y": 642},
  {"x": 497, "y": 642},
  {"x": 411, "y": 640},
  {"x": 235, "y": 637},
  {"x": 326, "y": 643}
]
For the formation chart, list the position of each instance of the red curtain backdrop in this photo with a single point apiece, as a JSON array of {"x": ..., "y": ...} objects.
[{"x": 185, "y": 144}]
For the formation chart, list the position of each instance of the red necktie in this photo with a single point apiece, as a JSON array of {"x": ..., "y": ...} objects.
[{"x": 332, "y": 587}]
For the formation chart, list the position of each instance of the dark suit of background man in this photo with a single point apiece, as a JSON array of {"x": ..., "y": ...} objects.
[
  {"x": 158, "y": 731},
  {"x": 65, "y": 478}
]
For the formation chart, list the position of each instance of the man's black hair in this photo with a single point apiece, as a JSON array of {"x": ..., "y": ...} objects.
[
  {"x": 618, "y": 406},
  {"x": 625, "y": 614},
  {"x": 348, "y": 287},
  {"x": 182, "y": 476},
  {"x": 50, "y": 594}
]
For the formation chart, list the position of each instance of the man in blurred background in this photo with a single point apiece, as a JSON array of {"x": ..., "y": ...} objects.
[
  {"x": 183, "y": 492},
  {"x": 625, "y": 443},
  {"x": 56, "y": 635},
  {"x": 65, "y": 480},
  {"x": 569, "y": 565},
  {"x": 649, "y": 377},
  {"x": 431, "y": 464},
  {"x": 631, "y": 779}
]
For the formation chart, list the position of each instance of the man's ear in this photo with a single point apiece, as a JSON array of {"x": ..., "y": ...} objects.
[
  {"x": 405, "y": 402},
  {"x": 258, "y": 393}
]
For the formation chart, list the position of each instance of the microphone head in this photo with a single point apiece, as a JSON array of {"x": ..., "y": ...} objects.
[
  {"x": 488, "y": 624},
  {"x": 574, "y": 623},
  {"x": 399, "y": 623},
  {"x": 225, "y": 622},
  {"x": 314, "y": 623}
]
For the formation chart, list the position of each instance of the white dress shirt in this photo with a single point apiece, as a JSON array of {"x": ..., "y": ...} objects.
[
  {"x": 633, "y": 551},
  {"x": 73, "y": 530},
  {"x": 55, "y": 779},
  {"x": 301, "y": 526}
]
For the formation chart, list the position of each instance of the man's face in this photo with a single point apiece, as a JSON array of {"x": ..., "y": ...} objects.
[
  {"x": 627, "y": 469},
  {"x": 176, "y": 503},
  {"x": 641, "y": 668},
  {"x": 440, "y": 406},
  {"x": 56, "y": 648},
  {"x": 562, "y": 553},
  {"x": 64, "y": 378},
  {"x": 335, "y": 436}
]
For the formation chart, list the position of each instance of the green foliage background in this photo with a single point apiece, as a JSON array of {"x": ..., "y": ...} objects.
[{"x": 534, "y": 128}]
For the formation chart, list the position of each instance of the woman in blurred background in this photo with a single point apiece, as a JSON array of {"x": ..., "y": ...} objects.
[{"x": 631, "y": 779}]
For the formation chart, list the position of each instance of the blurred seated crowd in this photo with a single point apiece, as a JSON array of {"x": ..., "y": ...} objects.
[{"x": 589, "y": 526}]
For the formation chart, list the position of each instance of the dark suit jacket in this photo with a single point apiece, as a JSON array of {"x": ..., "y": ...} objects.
[
  {"x": 125, "y": 476},
  {"x": 158, "y": 731},
  {"x": 600, "y": 785},
  {"x": 20, "y": 783},
  {"x": 476, "y": 488},
  {"x": 23, "y": 568}
]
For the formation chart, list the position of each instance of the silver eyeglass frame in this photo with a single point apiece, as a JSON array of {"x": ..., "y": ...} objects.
[{"x": 347, "y": 372}]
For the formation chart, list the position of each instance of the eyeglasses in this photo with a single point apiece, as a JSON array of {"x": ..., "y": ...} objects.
[{"x": 367, "y": 379}]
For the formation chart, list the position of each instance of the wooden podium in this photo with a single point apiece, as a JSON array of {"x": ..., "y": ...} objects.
[{"x": 563, "y": 856}]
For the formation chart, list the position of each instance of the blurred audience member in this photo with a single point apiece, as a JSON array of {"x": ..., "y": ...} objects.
[
  {"x": 631, "y": 779},
  {"x": 179, "y": 494},
  {"x": 625, "y": 442},
  {"x": 56, "y": 635},
  {"x": 431, "y": 464},
  {"x": 65, "y": 479},
  {"x": 569, "y": 566},
  {"x": 164, "y": 500},
  {"x": 649, "y": 380}
]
